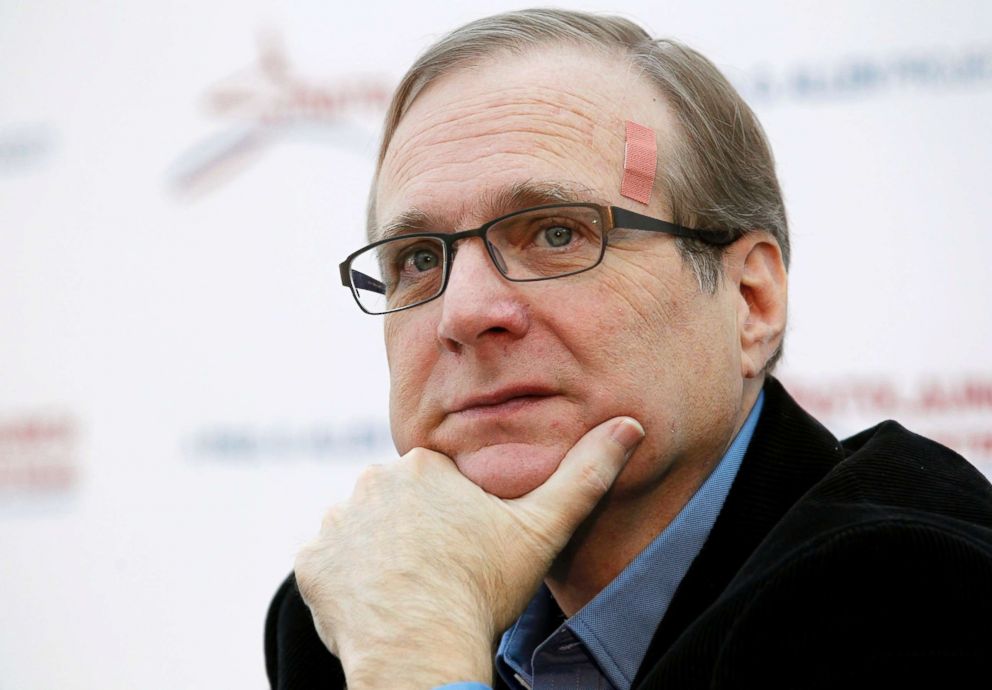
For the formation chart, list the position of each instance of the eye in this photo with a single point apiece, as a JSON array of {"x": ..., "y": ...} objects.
[
  {"x": 557, "y": 236},
  {"x": 422, "y": 259}
]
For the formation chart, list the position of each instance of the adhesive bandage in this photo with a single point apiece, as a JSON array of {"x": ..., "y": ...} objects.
[{"x": 640, "y": 157}]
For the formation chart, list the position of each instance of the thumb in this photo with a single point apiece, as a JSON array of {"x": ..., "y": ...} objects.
[{"x": 587, "y": 472}]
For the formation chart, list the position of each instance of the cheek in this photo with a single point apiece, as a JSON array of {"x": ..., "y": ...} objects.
[
  {"x": 627, "y": 325},
  {"x": 410, "y": 352},
  {"x": 619, "y": 355},
  {"x": 658, "y": 349}
]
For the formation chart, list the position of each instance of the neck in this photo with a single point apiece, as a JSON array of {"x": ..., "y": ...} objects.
[
  {"x": 622, "y": 526},
  {"x": 613, "y": 535}
]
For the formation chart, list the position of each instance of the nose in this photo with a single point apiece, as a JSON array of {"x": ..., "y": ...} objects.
[{"x": 479, "y": 305}]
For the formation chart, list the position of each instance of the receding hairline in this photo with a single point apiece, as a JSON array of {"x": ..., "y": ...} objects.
[
  {"x": 510, "y": 32},
  {"x": 570, "y": 191}
]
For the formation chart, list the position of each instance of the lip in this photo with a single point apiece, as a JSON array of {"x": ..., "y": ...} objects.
[{"x": 503, "y": 399}]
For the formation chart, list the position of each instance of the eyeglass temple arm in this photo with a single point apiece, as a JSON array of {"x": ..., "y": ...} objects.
[
  {"x": 622, "y": 218},
  {"x": 360, "y": 281}
]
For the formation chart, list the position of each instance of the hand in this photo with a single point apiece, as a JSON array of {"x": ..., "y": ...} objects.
[{"x": 411, "y": 580}]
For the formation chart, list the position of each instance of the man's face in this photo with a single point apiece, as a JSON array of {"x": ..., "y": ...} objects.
[{"x": 505, "y": 377}]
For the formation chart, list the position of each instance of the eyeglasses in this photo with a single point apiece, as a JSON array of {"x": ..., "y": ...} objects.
[{"x": 538, "y": 243}]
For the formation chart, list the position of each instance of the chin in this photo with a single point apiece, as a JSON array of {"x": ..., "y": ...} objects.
[{"x": 509, "y": 470}]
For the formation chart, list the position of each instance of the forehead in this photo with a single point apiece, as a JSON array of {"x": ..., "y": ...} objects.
[{"x": 544, "y": 119}]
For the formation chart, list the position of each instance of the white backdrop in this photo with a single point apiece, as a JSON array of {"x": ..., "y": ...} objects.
[{"x": 184, "y": 387}]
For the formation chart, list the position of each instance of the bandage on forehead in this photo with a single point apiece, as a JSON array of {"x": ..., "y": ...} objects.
[{"x": 640, "y": 158}]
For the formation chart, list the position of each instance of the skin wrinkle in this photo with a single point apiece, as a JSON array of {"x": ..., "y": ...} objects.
[
  {"x": 650, "y": 275},
  {"x": 530, "y": 119},
  {"x": 468, "y": 110},
  {"x": 453, "y": 173},
  {"x": 614, "y": 134},
  {"x": 468, "y": 115},
  {"x": 632, "y": 288},
  {"x": 420, "y": 142},
  {"x": 426, "y": 151}
]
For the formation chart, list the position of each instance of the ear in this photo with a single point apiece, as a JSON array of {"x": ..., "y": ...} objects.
[{"x": 762, "y": 282}]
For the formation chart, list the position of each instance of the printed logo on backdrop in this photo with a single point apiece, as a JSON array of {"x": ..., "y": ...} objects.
[
  {"x": 263, "y": 104},
  {"x": 955, "y": 411},
  {"x": 25, "y": 147},
  {"x": 269, "y": 101},
  {"x": 859, "y": 76},
  {"x": 39, "y": 453},
  {"x": 320, "y": 441}
]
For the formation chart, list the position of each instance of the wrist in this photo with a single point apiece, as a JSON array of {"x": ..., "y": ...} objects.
[
  {"x": 429, "y": 661},
  {"x": 422, "y": 674}
]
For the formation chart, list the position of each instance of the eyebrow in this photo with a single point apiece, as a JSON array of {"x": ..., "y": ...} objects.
[{"x": 494, "y": 204}]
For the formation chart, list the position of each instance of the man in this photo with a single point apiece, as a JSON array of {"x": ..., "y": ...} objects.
[{"x": 579, "y": 245}]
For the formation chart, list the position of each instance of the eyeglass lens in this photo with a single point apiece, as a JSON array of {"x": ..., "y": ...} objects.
[{"x": 531, "y": 245}]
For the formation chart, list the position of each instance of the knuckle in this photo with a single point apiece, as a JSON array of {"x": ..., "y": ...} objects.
[
  {"x": 593, "y": 479},
  {"x": 372, "y": 472},
  {"x": 421, "y": 460},
  {"x": 331, "y": 518},
  {"x": 313, "y": 569},
  {"x": 418, "y": 456},
  {"x": 304, "y": 572},
  {"x": 369, "y": 477}
]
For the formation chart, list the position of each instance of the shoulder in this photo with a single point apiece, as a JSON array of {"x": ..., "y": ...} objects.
[
  {"x": 894, "y": 494},
  {"x": 887, "y": 481},
  {"x": 881, "y": 571},
  {"x": 892, "y": 469}
]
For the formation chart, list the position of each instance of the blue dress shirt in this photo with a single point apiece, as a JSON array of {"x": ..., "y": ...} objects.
[{"x": 603, "y": 645}]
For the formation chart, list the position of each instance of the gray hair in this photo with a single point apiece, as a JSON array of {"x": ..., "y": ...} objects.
[{"x": 721, "y": 173}]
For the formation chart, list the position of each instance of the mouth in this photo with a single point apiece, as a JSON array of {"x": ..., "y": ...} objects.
[{"x": 500, "y": 402}]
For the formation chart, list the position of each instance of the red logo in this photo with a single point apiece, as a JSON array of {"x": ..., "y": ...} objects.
[
  {"x": 39, "y": 451},
  {"x": 953, "y": 410},
  {"x": 268, "y": 101}
]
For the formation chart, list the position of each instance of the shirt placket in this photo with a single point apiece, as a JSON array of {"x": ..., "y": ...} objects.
[{"x": 563, "y": 663}]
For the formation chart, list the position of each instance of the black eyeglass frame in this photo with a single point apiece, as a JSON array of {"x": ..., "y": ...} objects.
[{"x": 613, "y": 216}]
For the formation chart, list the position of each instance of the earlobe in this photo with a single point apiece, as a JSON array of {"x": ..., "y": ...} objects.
[{"x": 762, "y": 306}]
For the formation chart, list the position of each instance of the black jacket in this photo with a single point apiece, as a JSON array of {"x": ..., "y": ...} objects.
[{"x": 866, "y": 563}]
